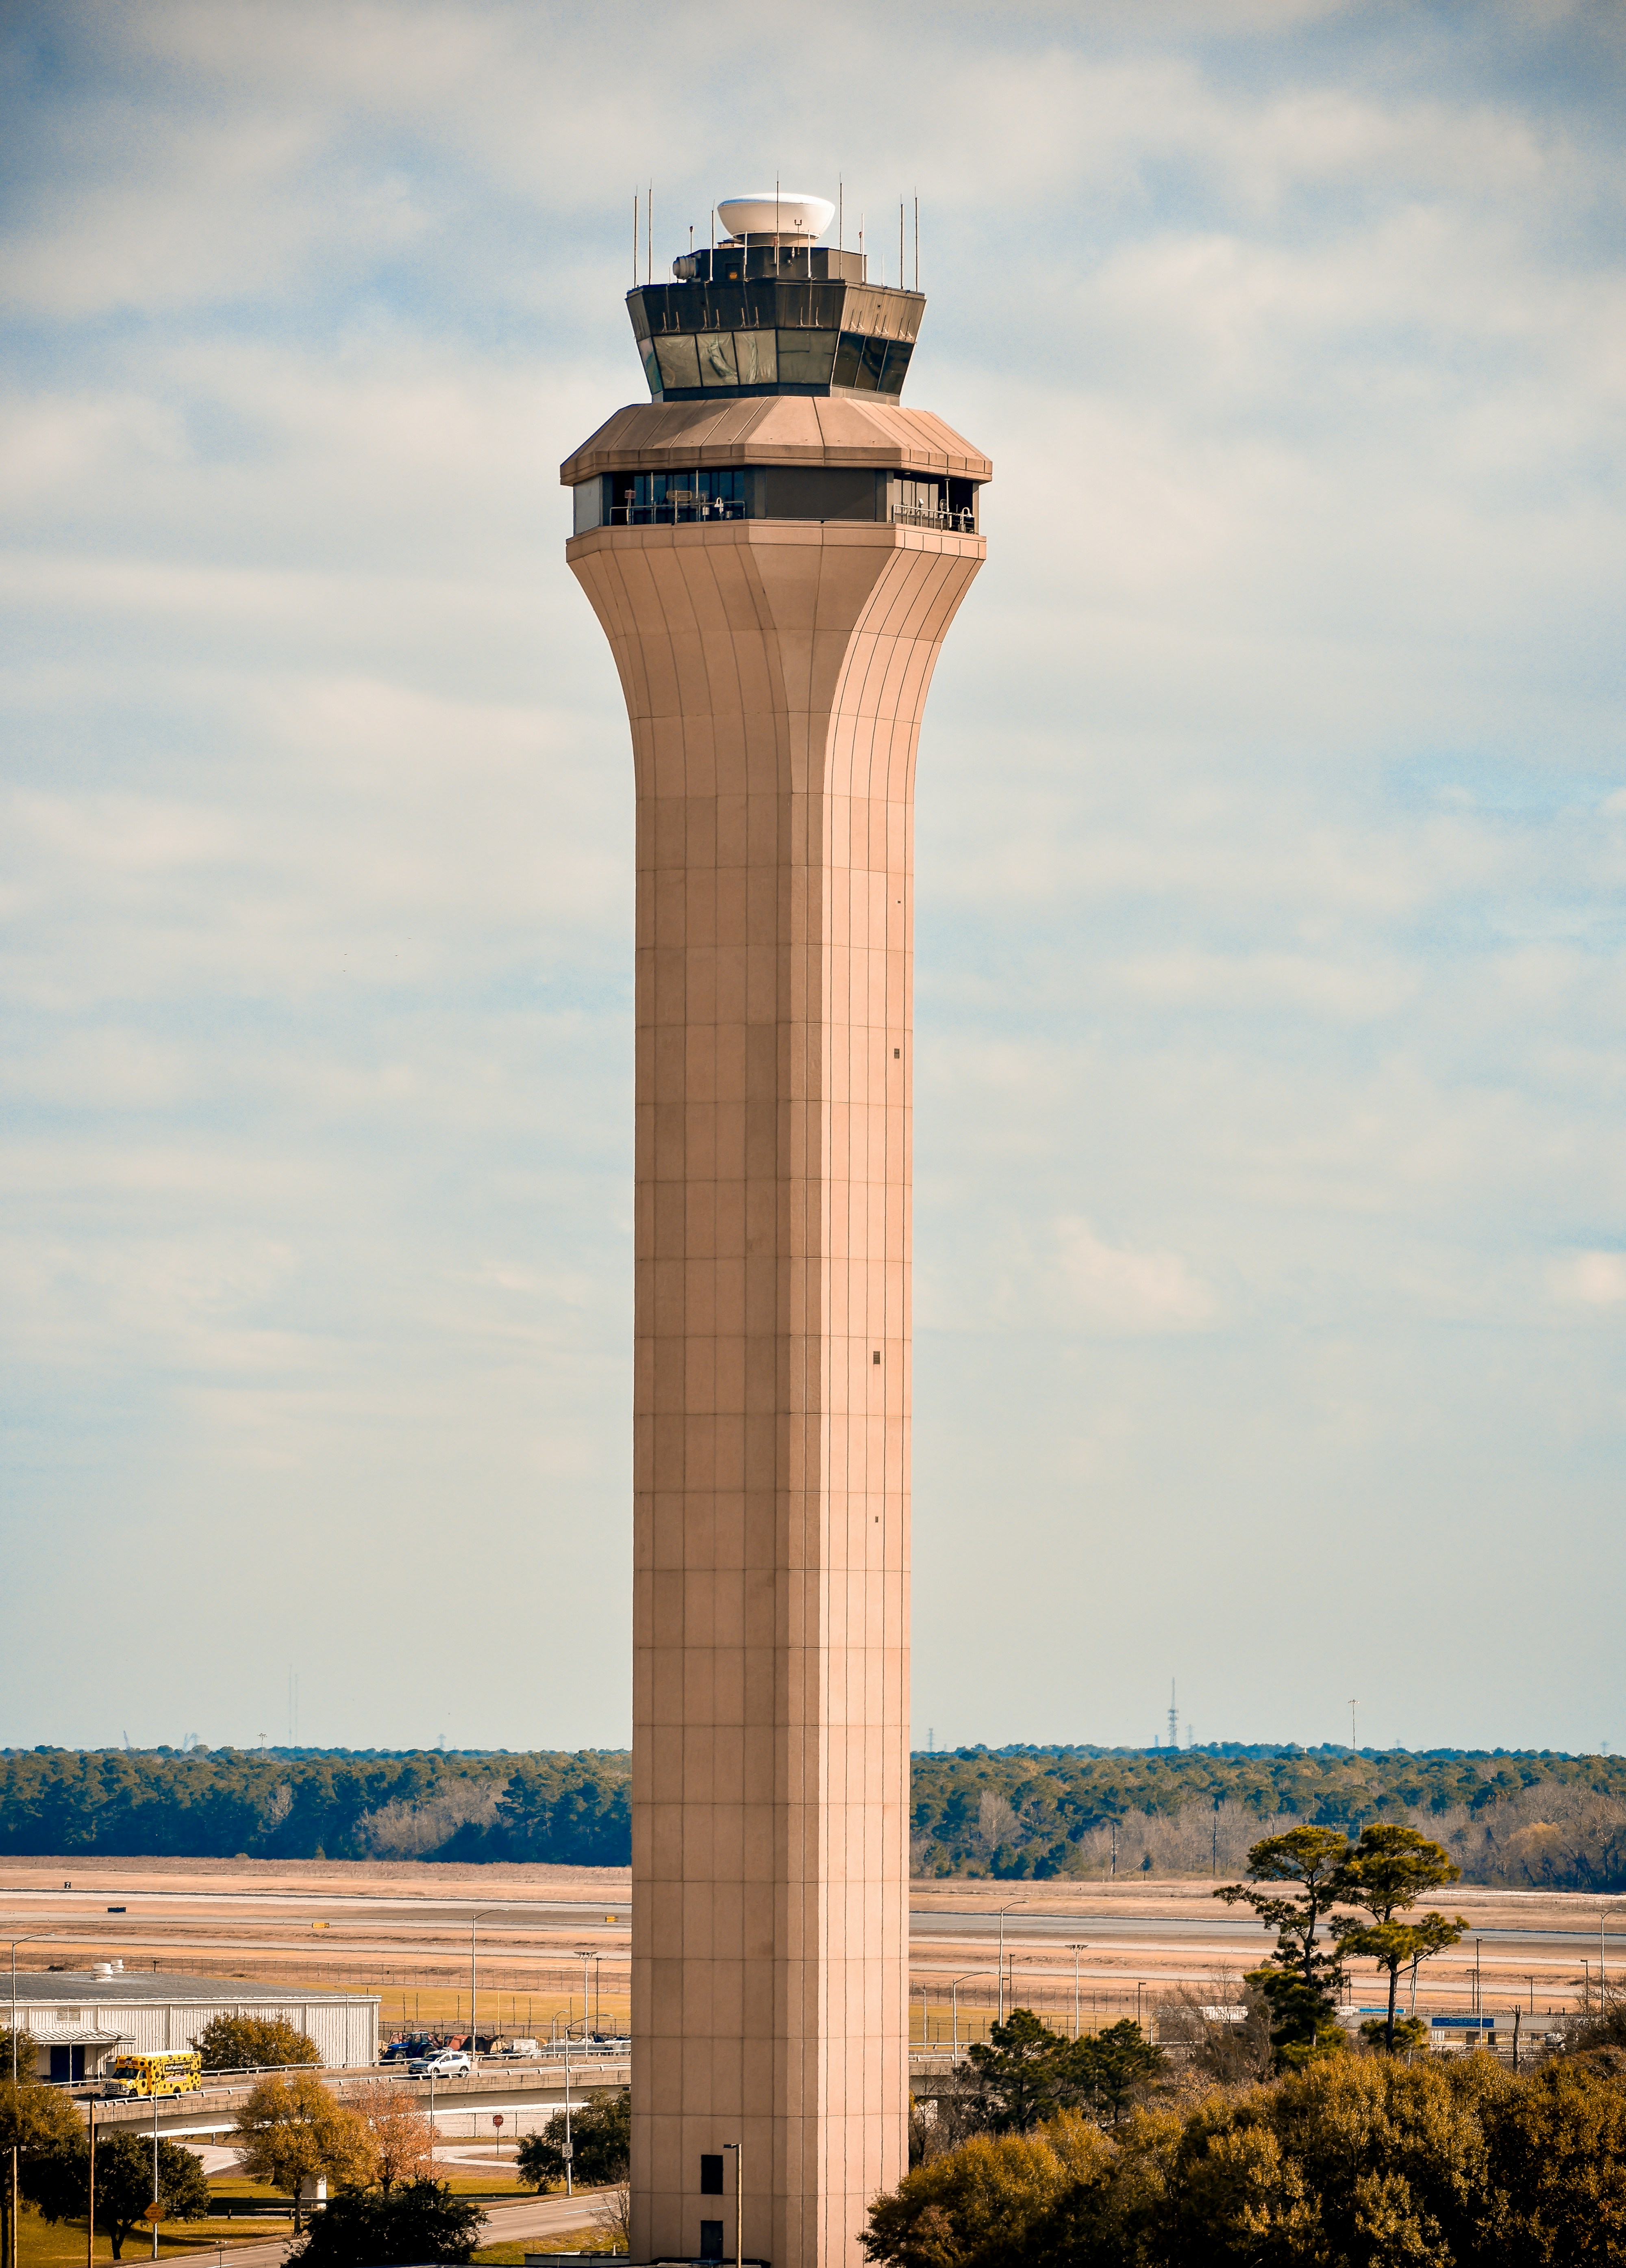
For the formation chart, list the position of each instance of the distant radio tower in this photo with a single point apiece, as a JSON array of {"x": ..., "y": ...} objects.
[{"x": 1174, "y": 1718}]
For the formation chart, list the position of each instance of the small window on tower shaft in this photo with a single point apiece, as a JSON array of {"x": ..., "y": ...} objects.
[
  {"x": 711, "y": 2175},
  {"x": 877, "y": 1355}
]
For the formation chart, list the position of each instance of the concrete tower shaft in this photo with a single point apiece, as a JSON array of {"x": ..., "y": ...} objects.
[{"x": 776, "y": 665}]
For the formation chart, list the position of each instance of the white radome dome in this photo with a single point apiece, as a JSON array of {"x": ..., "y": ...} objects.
[{"x": 791, "y": 213}]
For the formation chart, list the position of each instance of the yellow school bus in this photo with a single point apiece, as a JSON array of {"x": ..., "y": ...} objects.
[{"x": 178, "y": 2074}]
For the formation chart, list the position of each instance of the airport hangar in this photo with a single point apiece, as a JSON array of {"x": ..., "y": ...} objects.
[{"x": 82, "y": 2019}]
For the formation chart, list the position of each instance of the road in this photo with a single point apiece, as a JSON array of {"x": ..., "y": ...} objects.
[
  {"x": 520, "y": 2223},
  {"x": 526, "y": 2098}
]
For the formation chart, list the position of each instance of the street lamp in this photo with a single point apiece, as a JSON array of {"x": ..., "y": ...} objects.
[
  {"x": 954, "y": 2001},
  {"x": 739, "y": 2202},
  {"x": 1082, "y": 1947},
  {"x": 474, "y": 1921},
  {"x": 585, "y": 1958},
  {"x": 1004, "y": 1911},
  {"x": 155, "y": 2171},
  {"x": 569, "y": 2147},
  {"x": 33, "y": 1938}
]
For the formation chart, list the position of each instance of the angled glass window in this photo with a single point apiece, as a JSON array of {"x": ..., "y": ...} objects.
[
  {"x": 652, "y": 369},
  {"x": 870, "y": 362},
  {"x": 588, "y": 497},
  {"x": 847, "y": 359},
  {"x": 679, "y": 364},
  {"x": 898, "y": 353},
  {"x": 806, "y": 357},
  {"x": 716, "y": 358},
  {"x": 754, "y": 359}
]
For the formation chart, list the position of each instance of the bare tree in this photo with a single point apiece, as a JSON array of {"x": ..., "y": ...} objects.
[
  {"x": 1220, "y": 2029},
  {"x": 612, "y": 2213}
]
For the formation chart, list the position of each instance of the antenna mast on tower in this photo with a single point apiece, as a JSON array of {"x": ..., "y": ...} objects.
[{"x": 1174, "y": 1718}]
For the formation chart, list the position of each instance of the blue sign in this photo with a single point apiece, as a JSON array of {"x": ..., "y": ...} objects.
[{"x": 1463, "y": 2023}]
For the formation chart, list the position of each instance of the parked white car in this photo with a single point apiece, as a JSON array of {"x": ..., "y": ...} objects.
[{"x": 445, "y": 2062}]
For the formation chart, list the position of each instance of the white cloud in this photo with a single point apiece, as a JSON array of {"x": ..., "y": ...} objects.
[
  {"x": 1111, "y": 1288},
  {"x": 1269, "y": 984},
  {"x": 1590, "y": 1279}
]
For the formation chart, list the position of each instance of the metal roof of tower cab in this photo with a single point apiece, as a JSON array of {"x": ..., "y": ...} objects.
[
  {"x": 46, "y": 1987},
  {"x": 658, "y": 437}
]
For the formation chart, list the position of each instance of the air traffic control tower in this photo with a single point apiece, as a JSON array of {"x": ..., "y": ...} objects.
[{"x": 774, "y": 546}]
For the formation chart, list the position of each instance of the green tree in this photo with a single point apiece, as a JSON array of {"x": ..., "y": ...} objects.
[
  {"x": 1350, "y": 2160},
  {"x": 1303, "y": 1973},
  {"x": 294, "y": 2131},
  {"x": 600, "y": 2145},
  {"x": 420, "y": 2221},
  {"x": 1116, "y": 2066},
  {"x": 253, "y": 2044},
  {"x": 58, "y": 2181},
  {"x": 998, "y": 2201},
  {"x": 1558, "y": 2167},
  {"x": 1388, "y": 1870},
  {"x": 35, "y": 2120},
  {"x": 1025, "y": 2071}
]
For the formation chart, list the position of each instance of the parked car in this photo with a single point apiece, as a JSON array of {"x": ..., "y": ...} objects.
[{"x": 444, "y": 2063}]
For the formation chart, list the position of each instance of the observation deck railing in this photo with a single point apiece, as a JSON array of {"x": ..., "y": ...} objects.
[
  {"x": 674, "y": 511},
  {"x": 953, "y": 523}
]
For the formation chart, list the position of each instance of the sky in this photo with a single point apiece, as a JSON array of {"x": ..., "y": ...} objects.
[{"x": 1270, "y": 1220}]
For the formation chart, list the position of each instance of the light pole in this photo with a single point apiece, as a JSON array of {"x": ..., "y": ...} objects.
[
  {"x": 33, "y": 1936},
  {"x": 954, "y": 2001},
  {"x": 739, "y": 2202},
  {"x": 585, "y": 1958},
  {"x": 1004, "y": 1911},
  {"x": 569, "y": 2147},
  {"x": 568, "y": 2150},
  {"x": 155, "y": 2172},
  {"x": 1082, "y": 1947},
  {"x": 474, "y": 1920}
]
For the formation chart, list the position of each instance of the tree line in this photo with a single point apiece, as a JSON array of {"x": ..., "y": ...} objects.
[
  {"x": 566, "y": 1809},
  {"x": 1030, "y": 1814},
  {"x": 1359, "y": 2160},
  {"x": 1280, "y": 2140},
  {"x": 1523, "y": 1820}
]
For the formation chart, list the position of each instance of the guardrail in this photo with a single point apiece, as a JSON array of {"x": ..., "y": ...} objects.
[{"x": 951, "y": 523}]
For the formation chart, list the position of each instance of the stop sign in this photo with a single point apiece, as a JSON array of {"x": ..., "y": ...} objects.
[{"x": 497, "y": 2118}]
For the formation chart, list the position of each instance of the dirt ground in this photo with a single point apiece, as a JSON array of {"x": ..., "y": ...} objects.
[{"x": 402, "y": 1928}]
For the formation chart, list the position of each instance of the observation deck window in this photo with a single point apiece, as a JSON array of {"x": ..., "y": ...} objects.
[{"x": 828, "y": 493}]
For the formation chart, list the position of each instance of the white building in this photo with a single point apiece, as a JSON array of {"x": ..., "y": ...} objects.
[{"x": 80, "y": 2019}]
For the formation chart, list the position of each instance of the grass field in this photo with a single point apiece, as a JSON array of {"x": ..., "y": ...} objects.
[
  {"x": 562, "y": 2240},
  {"x": 61, "y": 2244}
]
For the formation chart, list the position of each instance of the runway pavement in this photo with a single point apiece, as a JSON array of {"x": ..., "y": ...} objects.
[{"x": 404, "y": 1929}]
